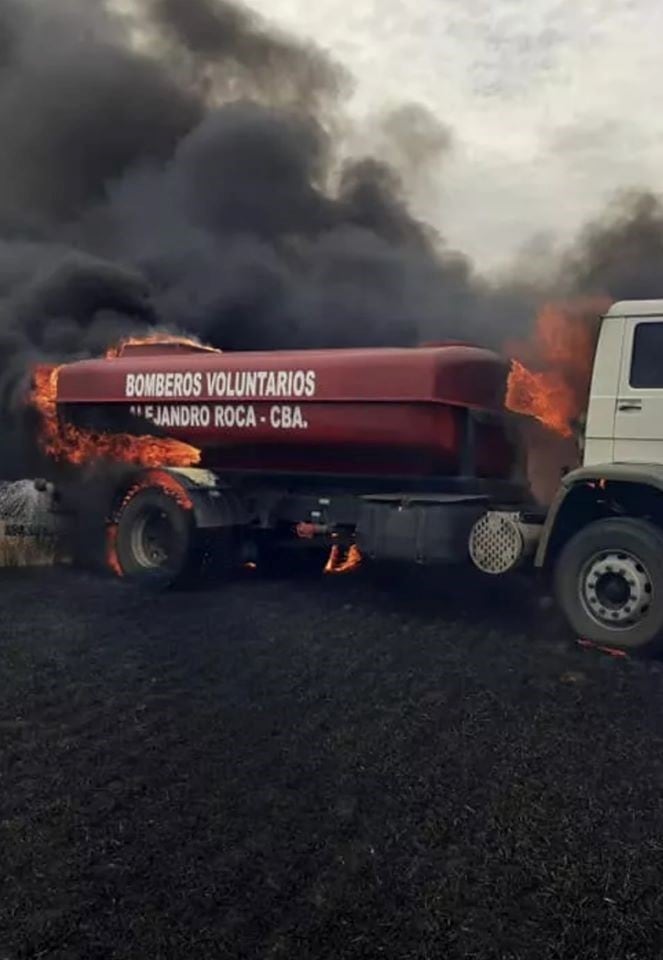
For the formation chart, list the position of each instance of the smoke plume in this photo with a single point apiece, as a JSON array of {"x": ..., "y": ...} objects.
[
  {"x": 179, "y": 166},
  {"x": 621, "y": 254}
]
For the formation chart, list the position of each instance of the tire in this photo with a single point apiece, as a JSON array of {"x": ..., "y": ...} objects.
[
  {"x": 609, "y": 584},
  {"x": 156, "y": 544}
]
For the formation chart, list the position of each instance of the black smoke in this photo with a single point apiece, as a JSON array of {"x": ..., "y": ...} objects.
[
  {"x": 621, "y": 254},
  {"x": 179, "y": 167}
]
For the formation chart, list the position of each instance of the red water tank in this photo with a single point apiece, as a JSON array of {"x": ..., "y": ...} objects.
[{"x": 360, "y": 411}]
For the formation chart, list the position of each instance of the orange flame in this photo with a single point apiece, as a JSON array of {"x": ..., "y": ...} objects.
[
  {"x": 336, "y": 564},
  {"x": 168, "y": 339},
  {"x": 65, "y": 442},
  {"x": 112, "y": 558},
  {"x": 545, "y": 396},
  {"x": 550, "y": 380}
]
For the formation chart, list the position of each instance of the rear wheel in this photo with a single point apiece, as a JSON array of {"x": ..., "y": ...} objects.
[
  {"x": 609, "y": 583},
  {"x": 155, "y": 542}
]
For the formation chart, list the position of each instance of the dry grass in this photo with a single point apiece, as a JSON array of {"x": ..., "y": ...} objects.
[{"x": 27, "y": 552}]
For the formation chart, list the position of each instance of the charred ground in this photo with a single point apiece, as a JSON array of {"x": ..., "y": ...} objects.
[{"x": 331, "y": 768}]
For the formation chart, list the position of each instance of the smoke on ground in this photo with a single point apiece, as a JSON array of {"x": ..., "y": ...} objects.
[{"x": 180, "y": 165}]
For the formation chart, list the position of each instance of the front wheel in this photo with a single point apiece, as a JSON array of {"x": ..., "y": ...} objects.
[{"x": 609, "y": 583}]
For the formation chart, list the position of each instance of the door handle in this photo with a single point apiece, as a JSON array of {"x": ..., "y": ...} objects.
[{"x": 629, "y": 405}]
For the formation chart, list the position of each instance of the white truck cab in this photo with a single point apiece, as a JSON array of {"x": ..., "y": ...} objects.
[
  {"x": 625, "y": 412},
  {"x": 602, "y": 537}
]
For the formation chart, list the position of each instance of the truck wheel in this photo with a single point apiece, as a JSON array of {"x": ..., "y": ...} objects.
[
  {"x": 609, "y": 583},
  {"x": 156, "y": 540}
]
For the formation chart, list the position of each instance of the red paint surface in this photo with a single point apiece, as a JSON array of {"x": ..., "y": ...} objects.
[{"x": 377, "y": 411}]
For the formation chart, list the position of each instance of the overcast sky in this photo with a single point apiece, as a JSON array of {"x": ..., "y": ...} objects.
[{"x": 554, "y": 104}]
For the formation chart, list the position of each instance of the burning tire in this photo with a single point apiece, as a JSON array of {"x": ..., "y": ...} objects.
[
  {"x": 155, "y": 541},
  {"x": 609, "y": 583}
]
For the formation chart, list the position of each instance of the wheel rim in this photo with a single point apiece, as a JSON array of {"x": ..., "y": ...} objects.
[
  {"x": 152, "y": 539},
  {"x": 616, "y": 589}
]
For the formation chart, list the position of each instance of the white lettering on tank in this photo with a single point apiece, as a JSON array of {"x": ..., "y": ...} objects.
[
  {"x": 287, "y": 418},
  {"x": 235, "y": 384}
]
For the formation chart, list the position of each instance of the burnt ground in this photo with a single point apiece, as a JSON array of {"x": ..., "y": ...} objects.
[{"x": 331, "y": 768}]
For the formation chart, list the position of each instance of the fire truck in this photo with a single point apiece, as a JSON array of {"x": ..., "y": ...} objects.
[{"x": 393, "y": 454}]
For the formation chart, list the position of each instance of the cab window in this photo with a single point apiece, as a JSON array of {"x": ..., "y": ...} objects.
[{"x": 647, "y": 356}]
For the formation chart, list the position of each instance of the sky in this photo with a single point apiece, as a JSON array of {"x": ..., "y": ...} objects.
[{"x": 554, "y": 105}]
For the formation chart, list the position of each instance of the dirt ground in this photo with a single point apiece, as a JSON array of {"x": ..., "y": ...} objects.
[{"x": 329, "y": 768}]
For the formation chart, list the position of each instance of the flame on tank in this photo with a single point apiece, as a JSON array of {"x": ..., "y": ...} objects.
[
  {"x": 152, "y": 478},
  {"x": 67, "y": 443},
  {"x": 550, "y": 374},
  {"x": 165, "y": 339},
  {"x": 544, "y": 395},
  {"x": 111, "y": 550}
]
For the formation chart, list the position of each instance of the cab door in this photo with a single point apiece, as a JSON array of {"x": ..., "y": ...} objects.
[{"x": 639, "y": 409}]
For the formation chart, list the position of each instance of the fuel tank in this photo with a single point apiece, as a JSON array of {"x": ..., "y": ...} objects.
[{"x": 386, "y": 412}]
